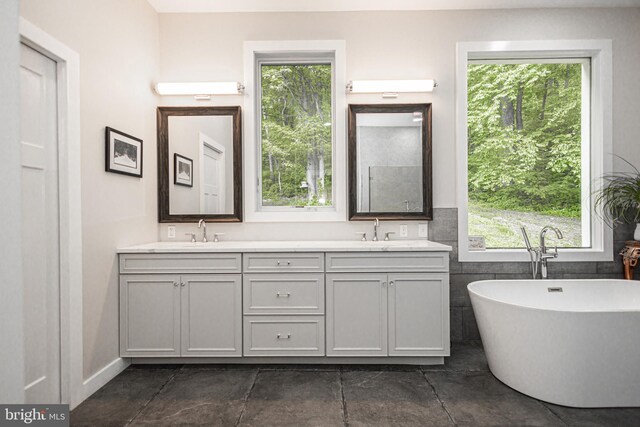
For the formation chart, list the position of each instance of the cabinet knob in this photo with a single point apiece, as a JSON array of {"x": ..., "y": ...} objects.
[
  {"x": 278, "y": 262},
  {"x": 283, "y": 294},
  {"x": 391, "y": 283},
  {"x": 183, "y": 284},
  {"x": 175, "y": 284},
  {"x": 283, "y": 337},
  {"x": 384, "y": 284}
]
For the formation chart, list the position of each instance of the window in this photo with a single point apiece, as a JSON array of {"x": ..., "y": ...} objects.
[
  {"x": 295, "y": 140},
  {"x": 532, "y": 139}
]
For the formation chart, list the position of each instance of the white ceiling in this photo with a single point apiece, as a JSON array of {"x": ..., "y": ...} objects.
[{"x": 204, "y": 6}]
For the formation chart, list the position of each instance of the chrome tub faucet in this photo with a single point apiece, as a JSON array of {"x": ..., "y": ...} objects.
[{"x": 540, "y": 255}]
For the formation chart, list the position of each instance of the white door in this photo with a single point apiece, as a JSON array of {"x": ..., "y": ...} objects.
[
  {"x": 356, "y": 314},
  {"x": 40, "y": 233},
  {"x": 212, "y": 183}
]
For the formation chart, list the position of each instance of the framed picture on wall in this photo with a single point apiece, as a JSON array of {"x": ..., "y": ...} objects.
[
  {"x": 182, "y": 170},
  {"x": 123, "y": 153}
]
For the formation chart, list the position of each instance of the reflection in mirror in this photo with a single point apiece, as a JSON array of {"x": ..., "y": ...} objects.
[
  {"x": 199, "y": 157},
  {"x": 204, "y": 181},
  {"x": 389, "y": 150}
]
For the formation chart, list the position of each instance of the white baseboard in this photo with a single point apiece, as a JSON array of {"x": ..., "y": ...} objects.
[{"x": 103, "y": 376}]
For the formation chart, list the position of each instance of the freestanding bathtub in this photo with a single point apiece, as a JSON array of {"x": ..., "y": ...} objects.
[{"x": 569, "y": 342}]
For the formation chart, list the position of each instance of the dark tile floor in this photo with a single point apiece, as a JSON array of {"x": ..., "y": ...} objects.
[{"x": 462, "y": 392}]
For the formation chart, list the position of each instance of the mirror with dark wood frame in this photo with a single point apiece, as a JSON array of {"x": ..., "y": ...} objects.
[
  {"x": 199, "y": 164},
  {"x": 390, "y": 175}
]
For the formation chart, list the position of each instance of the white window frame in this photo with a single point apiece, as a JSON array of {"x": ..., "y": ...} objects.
[
  {"x": 597, "y": 127},
  {"x": 259, "y": 52}
]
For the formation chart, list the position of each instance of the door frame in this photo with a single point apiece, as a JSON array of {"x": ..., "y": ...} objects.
[{"x": 69, "y": 178}]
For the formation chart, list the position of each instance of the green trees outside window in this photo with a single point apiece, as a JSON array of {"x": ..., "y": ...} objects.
[
  {"x": 296, "y": 113},
  {"x": 524, "y": 150}
]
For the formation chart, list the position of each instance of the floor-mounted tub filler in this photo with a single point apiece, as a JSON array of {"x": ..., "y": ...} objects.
[{"x": 568, "y": 342}]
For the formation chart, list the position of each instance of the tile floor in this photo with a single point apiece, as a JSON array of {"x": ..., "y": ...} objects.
[{"x": 462, "y": 392}]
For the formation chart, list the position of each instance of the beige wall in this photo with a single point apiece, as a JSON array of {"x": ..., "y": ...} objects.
[
  {"x": 117, "y": 41},
  {"x": 388, "y": 45},
  {"x": 11, "y": 302}
]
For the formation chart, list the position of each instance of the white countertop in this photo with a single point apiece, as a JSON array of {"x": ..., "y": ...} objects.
[{"x": 288, "y": 246}]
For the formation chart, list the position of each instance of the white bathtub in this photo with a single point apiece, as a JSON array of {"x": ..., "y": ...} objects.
[{"x": 579, "y": 347}]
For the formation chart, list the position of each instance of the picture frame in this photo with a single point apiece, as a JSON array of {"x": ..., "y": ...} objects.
[
  {"x": 182, "y": 170},
  {"x": 123, "y": 153}
]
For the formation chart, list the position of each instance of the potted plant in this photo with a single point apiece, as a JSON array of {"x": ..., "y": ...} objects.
[{"x": 619, "y": 198}]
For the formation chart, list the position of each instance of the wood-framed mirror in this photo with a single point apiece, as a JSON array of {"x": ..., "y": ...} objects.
[
  {"x": 390, "y": 173},
  {"x": 199, "y": 164}
]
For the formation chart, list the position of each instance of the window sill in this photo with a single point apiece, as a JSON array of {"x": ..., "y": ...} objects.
[{"x": 521, "y": 255}]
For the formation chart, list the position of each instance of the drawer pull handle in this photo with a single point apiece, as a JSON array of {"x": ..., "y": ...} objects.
[
  {"x": 281, "y": 337},
  {"x": 283, "y": 294},
  {"x": 288, "y": 262}
]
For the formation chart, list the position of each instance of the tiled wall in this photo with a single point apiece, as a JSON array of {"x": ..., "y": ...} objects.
[{"x": 444, "y": 229}]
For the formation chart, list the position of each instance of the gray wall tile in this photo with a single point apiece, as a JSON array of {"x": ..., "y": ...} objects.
[
  {"x": 444, "y": 225},
  {"x": 496, "y": 267},
  {"x": 455, "y": 319},
  {"x": 588, "y": 276},
  {"x": 616, "y": 266},
  {"x": 520, "y": 276},
  {"x": 459, "y": 296},
  {"x": 469, "y": 327},
  {"x": 572, "y": 267},
  {"x": 454, "y": 264},
  {"x": 623, "y": 232}
]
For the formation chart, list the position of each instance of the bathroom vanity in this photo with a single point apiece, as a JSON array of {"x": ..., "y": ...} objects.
[{"x": 285, "y": 302}]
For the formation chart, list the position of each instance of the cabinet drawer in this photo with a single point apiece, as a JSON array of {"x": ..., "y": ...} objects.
[
  {"x": 284, "y": 336},
  {"x": 387, "y": 262},
  {"x": 285, "y": 293},
  {"x": 283, "y": 262},
  {"x": 180, "y": 263}
]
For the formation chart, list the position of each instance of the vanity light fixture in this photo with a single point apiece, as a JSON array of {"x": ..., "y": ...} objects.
[
  {"x": 390, "y": 88},
  {"x": 201, "y": 90}
]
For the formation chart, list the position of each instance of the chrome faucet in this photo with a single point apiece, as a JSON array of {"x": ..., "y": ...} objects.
[
  {"x": 544, "y": 255},
  {"x": 376, "y": 224},
  {"x": 539, "y": 256},
  {"x": 203, "y": 224}
]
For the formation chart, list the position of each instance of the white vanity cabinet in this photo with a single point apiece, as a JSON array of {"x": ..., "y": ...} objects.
[
  {"x": 285, "y": 302},
  {"x": 186, "y": 315},
  {"x": 388, "y": 314}
]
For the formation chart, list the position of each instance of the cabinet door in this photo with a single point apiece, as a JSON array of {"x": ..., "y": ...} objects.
[
  {"x": 419, "y": 314},
  {"x": 150, "y": 315},
  {"x": 212, "y": 315},
  {"x": 356, "y": 314}
]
